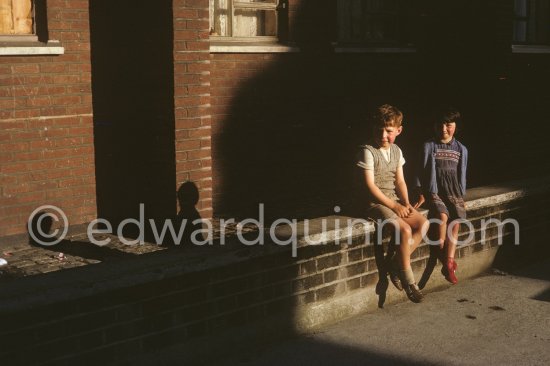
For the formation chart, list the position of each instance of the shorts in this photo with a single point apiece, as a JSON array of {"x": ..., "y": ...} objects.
[{"x": 377, "y": 211}]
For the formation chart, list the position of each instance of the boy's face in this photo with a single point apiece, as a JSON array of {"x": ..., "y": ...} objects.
[
  {"x": 445, "y": 131},
  {"x": 385, "y": 136}
]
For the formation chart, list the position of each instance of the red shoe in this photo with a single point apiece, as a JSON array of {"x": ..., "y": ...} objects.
[{"x": 451, "y": 267}]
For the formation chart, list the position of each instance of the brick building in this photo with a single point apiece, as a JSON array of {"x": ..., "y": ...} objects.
[
  {"x": 225, "y": 104},
  {"x": 106, "y": 105}
]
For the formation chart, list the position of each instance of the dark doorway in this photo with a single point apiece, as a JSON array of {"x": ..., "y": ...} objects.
[{"x": 133, "y": 101}]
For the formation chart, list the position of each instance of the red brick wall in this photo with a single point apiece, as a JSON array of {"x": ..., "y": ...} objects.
[
  {"x": 46, "y": 131},
  {"x": 192, "y": 98}
]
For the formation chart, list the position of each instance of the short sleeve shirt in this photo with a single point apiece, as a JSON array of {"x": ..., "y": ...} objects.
[{"x": 367, "y": 160}]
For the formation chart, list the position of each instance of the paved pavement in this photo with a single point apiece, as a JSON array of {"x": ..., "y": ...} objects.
[
  {"x": 27, "y": 259},
  {"x": 497, "y": 319}
]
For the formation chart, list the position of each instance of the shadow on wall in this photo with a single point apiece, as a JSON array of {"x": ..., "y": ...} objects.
[
  {"x": 188, "y": 218},
  {"x": 290, "y": 135},
  {"x": 133, "y": 93}
]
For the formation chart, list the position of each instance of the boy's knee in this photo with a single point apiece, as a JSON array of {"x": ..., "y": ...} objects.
[
  {"x": 405, "y": 230},
  {"x": 423, "y": 221}
]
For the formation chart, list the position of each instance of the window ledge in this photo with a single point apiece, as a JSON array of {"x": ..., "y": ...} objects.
[
  {"x": 352, "y": 49},
  {"x": 530, "y": 49},
  {"x": 31, "y": 48},
  {"x": 251, "y": 48}
]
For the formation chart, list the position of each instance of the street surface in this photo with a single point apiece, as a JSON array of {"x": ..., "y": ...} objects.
[{"x": 497, "y": 319}]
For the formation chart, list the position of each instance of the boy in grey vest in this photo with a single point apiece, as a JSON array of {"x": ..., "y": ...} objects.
[{"x": 388, "y": 200}]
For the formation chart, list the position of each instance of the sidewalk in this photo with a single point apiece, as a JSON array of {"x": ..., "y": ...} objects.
[{"x": 497, "y": 319}]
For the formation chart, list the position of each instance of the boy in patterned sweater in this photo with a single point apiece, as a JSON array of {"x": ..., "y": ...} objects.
[{"x": 388, "y": 200}]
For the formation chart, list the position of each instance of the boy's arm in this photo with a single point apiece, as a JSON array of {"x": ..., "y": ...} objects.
[
  {"x": 401, "y": 187},
  {"x": 400, "y": 210}
]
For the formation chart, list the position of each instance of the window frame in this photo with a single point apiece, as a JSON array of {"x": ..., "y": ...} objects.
[
  {"x": 275, "y": 6},
  {"x": 530, "y": 18},
  {"x": 23, "y": 37},
  {"x": 37, "y": 43},
  {"x": 401, "y": 12}
]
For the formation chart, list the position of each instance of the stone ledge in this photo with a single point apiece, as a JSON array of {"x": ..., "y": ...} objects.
[
  {"x": 476, "y": 198},
  {"x": 156, "y": 264}
]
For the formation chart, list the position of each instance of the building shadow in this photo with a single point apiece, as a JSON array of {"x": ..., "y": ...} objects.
[
  {"x": 289, "y": 136},
  {"x": 430, "y": 266}
]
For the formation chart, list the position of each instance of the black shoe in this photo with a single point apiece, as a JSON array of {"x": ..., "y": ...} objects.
[
  {"x": 393, "y": 272},
  {"x": 413, "y": 293},
  {"x": 394, "y": 278}
]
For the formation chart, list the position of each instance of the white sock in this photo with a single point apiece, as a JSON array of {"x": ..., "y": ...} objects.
[{"x": 408, "y": 275}]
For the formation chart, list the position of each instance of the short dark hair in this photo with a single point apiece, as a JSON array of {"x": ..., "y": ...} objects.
[
  {"x": 447, "y": 115},
  {"x": 387, "y": 116}
]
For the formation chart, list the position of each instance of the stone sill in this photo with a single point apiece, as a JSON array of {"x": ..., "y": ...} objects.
[
  {"x": 250, "y": 47},
  {"x": 31, "y": 48},
  {"x": 353, "y": 49},
  {"x": 530, "y": 49},
  {"x": 240, "y": 47}
]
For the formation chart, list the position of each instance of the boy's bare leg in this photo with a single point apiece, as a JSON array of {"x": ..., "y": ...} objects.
[
  {"x": 405, "y": 232},
  {"x": 419, "y": 227},
  {"x": 412, "y": 229}
]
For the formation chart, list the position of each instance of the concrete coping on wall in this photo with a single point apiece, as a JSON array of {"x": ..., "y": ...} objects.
[
  {"x": 343, "y": 229},
  {"x": 90, "y": 280}
]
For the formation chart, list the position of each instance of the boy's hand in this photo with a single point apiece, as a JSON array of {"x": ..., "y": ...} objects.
[
  {"x": 402, "y": 211},
  {"x": 420, "y": 202}
]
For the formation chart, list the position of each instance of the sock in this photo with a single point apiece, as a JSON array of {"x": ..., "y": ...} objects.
[{"x": 408, "y": 276}]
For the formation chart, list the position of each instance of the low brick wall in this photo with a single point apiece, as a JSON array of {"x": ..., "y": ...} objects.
[{"x": 187, "y": 302}]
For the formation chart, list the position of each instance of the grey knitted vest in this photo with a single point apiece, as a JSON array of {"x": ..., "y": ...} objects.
[{"x": 385, "y": 171}]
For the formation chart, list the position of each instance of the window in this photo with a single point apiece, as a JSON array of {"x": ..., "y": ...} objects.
[
  {"x": 24, "y": 29},
  {"x": 245, "y": 20},
  {"x": 17, "y": 20},
  {"x": 379, "y": 22},
  {"x": 531, "y": 22}
]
